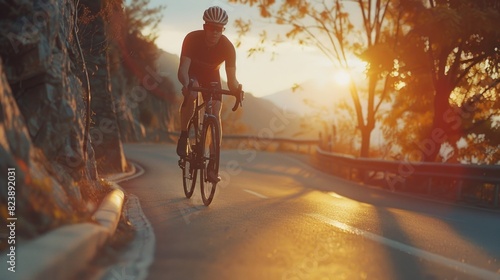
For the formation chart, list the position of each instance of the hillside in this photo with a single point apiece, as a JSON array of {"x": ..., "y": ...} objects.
[
  {"x": 167, "y": 64},
  {"x": 265, "y": 119}
]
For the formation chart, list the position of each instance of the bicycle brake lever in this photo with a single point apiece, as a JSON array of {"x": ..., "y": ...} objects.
[
  {"x": 242, "y": 97},
  {"x": 239, "y": 98},
  {"x": 236, "y": 104}
]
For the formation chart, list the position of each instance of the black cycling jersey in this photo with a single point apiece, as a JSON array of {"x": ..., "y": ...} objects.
[{"x": 205, "y": 60}]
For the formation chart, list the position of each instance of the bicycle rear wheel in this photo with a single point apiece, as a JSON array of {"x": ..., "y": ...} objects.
[
  {"x": 189, "y": 171},
  {"x": 210, "y": 155}
]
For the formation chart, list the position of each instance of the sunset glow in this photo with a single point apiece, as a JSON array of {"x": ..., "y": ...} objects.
[{"x": 342, "y": 77}]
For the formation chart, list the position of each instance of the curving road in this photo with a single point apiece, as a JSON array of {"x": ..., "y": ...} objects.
[{"x": 275, "y": 217}]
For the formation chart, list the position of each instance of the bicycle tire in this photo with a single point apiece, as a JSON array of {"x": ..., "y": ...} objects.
[
  {"x": 190, "y": 172},
  {"x": 210, "y": 156}
]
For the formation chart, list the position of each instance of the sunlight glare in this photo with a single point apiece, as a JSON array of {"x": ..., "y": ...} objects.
[{"x": 342, "y": 77}]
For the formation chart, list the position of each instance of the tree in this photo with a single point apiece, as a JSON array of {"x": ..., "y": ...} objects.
[
  {"x": 453, "y": 47},
  {"x": 328, "y": 26},
  {"x": 129, "y": 25}
]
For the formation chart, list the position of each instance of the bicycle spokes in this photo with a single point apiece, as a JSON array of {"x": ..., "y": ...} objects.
[
  {"x": 188, "y": 163},
  {"x": 210, "y": 160}
]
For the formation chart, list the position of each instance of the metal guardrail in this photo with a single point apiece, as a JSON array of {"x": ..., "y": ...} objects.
[
  {"x": 261, "y": 139},
  {"x": 477, "y": 184},
  {"x": 263, "y": 143}
]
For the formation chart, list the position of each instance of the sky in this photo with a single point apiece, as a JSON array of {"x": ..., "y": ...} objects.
[{"x": 259, "y": 74}]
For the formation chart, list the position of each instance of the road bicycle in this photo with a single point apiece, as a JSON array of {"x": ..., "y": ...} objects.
[{"x": 203, "y": 145}]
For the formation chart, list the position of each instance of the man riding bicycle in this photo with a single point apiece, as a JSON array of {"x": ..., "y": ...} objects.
[{"x": 203, "y": 52}]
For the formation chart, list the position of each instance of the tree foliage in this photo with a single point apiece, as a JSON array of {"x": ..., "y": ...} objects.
[
  {"x": 329, "y": 26},
  {"x": 435, "y": 61},
  {"x": 132, "y": 27},
  {"x": 449, "y": 61}
]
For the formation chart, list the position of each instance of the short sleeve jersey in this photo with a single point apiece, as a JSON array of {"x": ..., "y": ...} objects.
[{"x": 206, "y": 61}]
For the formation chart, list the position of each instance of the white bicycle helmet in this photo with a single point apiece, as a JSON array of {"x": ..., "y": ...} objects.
[{"x": 216, "y": 15}]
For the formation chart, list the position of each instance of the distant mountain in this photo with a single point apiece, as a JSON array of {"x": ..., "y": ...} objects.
[
  {"x": 265, "y": 119},
  {"x": 308, "y": 97}
]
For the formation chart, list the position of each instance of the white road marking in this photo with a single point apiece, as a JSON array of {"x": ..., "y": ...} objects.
[
  {"x": 256, "y": 194},
  {"x": 463, "y": 267},
  {"x": 336, "y": 195}
]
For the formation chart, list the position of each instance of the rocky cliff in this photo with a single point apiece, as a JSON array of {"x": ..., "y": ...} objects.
[{"x": 65, "y": 106}]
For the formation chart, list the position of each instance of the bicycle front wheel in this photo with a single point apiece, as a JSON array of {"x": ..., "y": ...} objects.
[
  {"x": 189, "y": 171},
  {"x": 210, "y": 156}
]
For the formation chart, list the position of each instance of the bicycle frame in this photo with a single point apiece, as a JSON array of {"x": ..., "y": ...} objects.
[
  {"x": 204, "y": 144},
  {"x": 199, "y": 123},
  {"x": 207, "y": 104}
]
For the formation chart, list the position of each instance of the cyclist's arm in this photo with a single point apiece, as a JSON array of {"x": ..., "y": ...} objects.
[
  {"x": 183, "y": 72},
  {"x": 230, "y": 63},
  {"x": 232, "y": 82}
]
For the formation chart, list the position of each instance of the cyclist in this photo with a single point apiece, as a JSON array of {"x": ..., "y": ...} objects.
[{"x": 202, "y": 54}]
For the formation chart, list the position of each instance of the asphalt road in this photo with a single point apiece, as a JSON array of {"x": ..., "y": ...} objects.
[{"x": 275, "y": 217}]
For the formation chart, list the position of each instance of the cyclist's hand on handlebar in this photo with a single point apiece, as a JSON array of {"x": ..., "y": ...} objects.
[
  {"x": 240, "y": 95},
  {"x": 188, "y": 93},
  {"x": 186, "y": 90}
]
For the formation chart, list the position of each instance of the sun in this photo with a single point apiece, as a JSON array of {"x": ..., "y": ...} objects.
[{"x": 342, "y": 77}]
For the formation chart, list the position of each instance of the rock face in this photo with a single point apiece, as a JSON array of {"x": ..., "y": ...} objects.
[
  {"x": 70, "y": 93},
  {"x": 104, "y": 132},
  {"x": 44, "y": 131}
]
